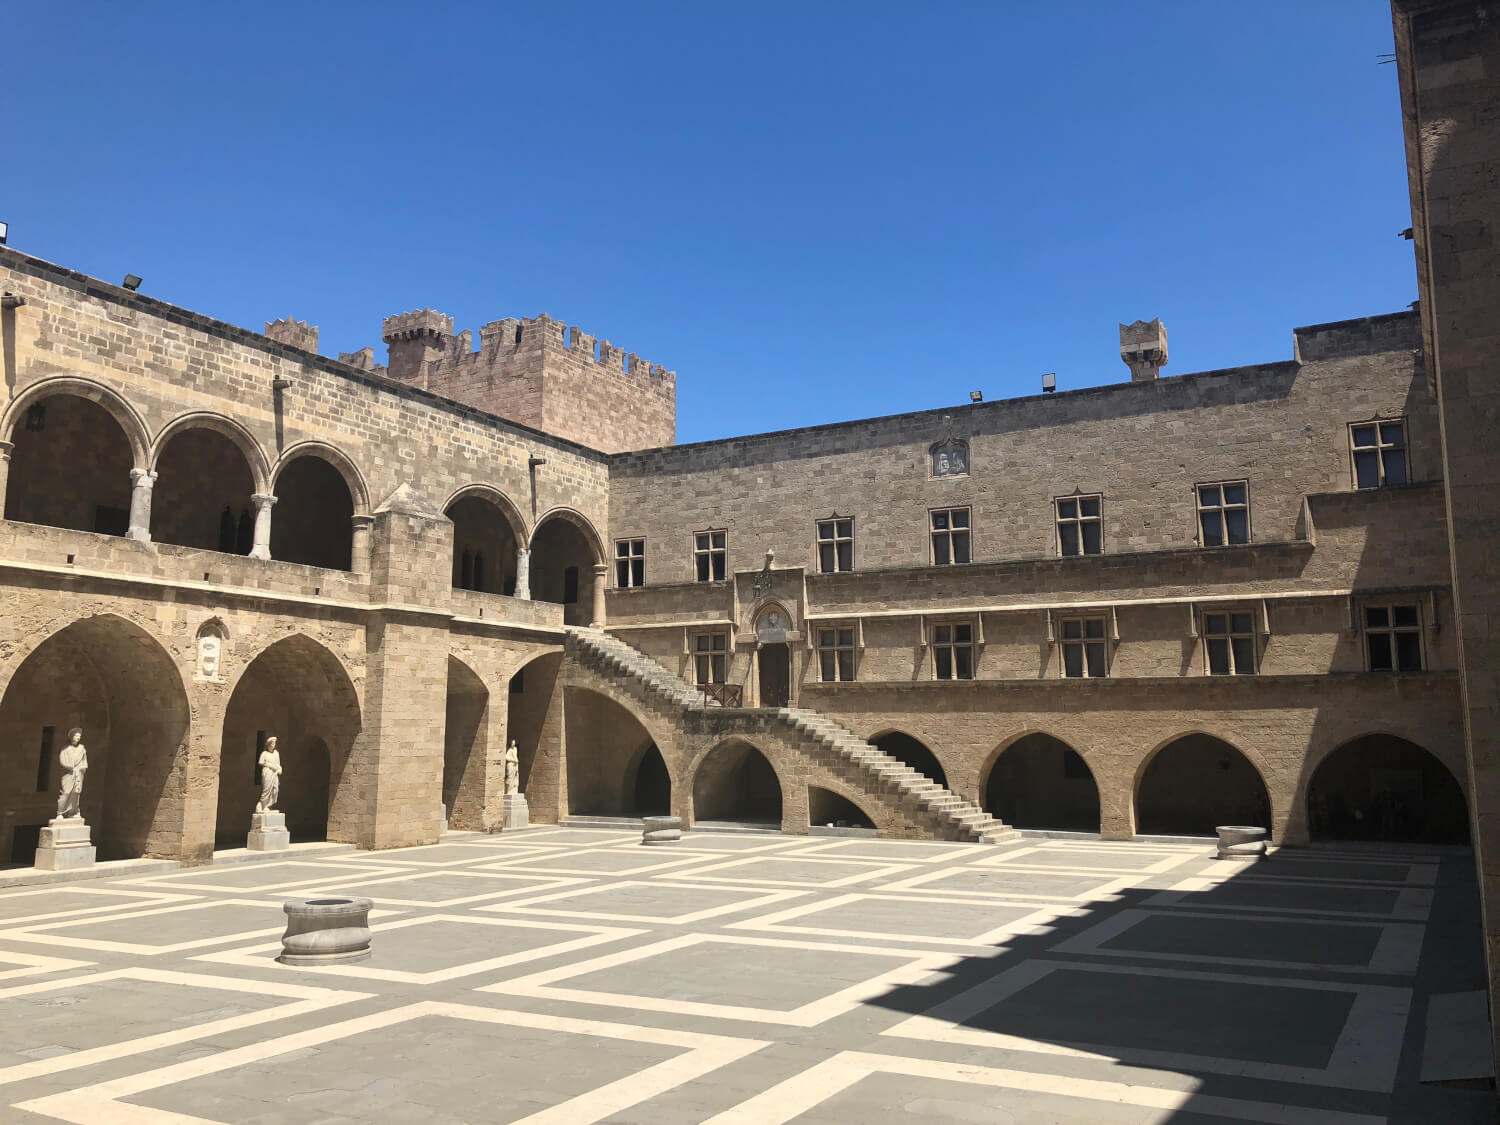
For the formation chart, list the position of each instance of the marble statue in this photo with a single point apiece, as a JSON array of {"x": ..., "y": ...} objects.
[
  {"x": 512, "y": 770},
  {"x": 270, "y": 777},
  {"x": 74, "y": 760}
]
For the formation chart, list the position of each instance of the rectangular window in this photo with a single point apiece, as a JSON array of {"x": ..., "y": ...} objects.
[
  {"x": 953, "y": 650},
  {"x": 710, "y": 658},
  {"x": 835, "y": 545},
  {"x": 1393, "y": 638},
  {"x": 1224, "y": 513},
  {"x": 44, "y": 760},
  {"x": 1080, "y": 530},
  {"x": 950, "y": 536},
  {"x": 630, "y": 563},
  {"x": 1379, "y": 453},
  {"x": 708, "y": 555},
  {"x": 1229, "y": 639},
  {"x": 1085, "y": 650},
  {"x": 836, "y": 654}
]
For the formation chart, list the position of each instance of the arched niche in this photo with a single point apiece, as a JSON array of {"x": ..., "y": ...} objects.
[
  {"x": 1039, "y": 781},
  {"x": 736, "y": 782},
  {"x": 1194, "y": 784},
  {"x": 605, "y": 751},
  {"x": 466, "y": 748},
  {"x": 1380, "y": 787},
  {"x": 912, "y": 752},
  {"x": 828, "y": 809}
]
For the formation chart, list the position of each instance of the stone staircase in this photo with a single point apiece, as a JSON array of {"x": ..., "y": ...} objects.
[{"x": 861, "y": 766}]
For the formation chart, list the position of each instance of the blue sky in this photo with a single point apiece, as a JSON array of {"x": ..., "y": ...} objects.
[{"x": 811, "y": 211}]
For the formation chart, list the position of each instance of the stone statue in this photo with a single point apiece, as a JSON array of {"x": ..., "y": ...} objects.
[
  {"x": 512, "y": 770},
  {"x": 74, "y": 760},
  {"x": 270, "y": 777}
]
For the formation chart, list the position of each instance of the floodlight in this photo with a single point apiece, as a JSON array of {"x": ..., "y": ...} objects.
[
  {"x": 976, "y": 396},
  {"x": 1049, "y": 383},
  {"x": 131, "y": 282},
  {"x": 4, "y": 232}
]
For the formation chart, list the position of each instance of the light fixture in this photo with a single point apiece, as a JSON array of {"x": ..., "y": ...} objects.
[
  {"x": 976, "y": 396},
  {"x": 4, "y": 232},
  {"x": 131, "y": 282},
  {"x": 1049, "y": 383}
]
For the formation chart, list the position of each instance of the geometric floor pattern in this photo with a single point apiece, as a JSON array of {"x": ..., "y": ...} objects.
[{"x": 570, "y": 975}]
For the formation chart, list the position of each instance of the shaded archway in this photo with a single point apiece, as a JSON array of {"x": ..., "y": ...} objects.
[
  {"x": 109, "y": 677},
  {"x": 484, "y": 544},
  {"x": 201, "y": 497},
  {"x": 828, "y": 809},
  {"x": 466, "y": 749},
  {"x": 312, "y": 522},
  {"x": 70, "y": 466},
  {"x": 1041, "y": 782},
  {"x": 563, "y": 556},
  {"x": 1195, "y": 783},
  {"x": 607, "y": 746},
  {"x": 534, "y": 722},
  {"x": 653, "y": 784},
  {"x": 735, "y": 781},
  {"x": 298, "y": 691},
  {"x": 909, "y": 751},
  {"x": 1380, "y": 787}
]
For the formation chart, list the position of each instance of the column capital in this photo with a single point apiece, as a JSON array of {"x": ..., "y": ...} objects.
[
  {"x": 359, "y": 521},
  {"x": 5, "y": 448},
  {"x": 142, "y": 478},
  {"x": 601, "y": 570},
  {"x": 263, "y": 499}
]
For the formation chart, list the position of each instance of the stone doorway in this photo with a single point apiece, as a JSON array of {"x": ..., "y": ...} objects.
[{"x": 775, "y": 666}]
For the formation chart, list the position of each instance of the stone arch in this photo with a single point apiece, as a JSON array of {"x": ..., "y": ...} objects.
[
  {"x": 736, "y": 780},
  {"x": 207, "y": 469},
  {"x": 565, "y": 550},
  {"x": 1380, "y": 786},
  {"x": 581, "y": 522},
  {"x": 773, "y": 625},
  {"x": 1037, "y": 780},
  {"x": 468, "y": 757},
  {"x": 487, "y": 531},
  {"x": 300, "y": 691},
  {"x": 607, "y": 742},
  {"x": 827, "y": 804},
  {"x": 313, "y": 520},
  {"x": 911, "y": 751},
  {"x": 1196, "y": 781},
  {"x": 131, "y": 423},
  {"x": 534, "y": 721},
  {"x": 653, "y": 783},
  {"x": 75, "y": 446},
  {"x": 110, "y": 677},
  {"x": 354, "y": 480}
]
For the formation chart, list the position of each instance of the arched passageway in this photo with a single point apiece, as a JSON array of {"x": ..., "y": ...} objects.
[
  {"x": 1196, "y": 783},
  {"x": 313, "y": 519},
  {"x": 484, "y": 545},
  {"x": 70, "y": 467},
  {"x": 534, "y": 721},
  {"x": 909, "y": 751},
  {"x": 1381, "y": 787},
  {"x": 606, "y": 747},
  {"x": 562, "y": 568},
  {"x": 298, "y": 691},
  {"x": 736, "y": 782},
  {"x": 1042, "y": 782},
  {"x": 653, "y": 784},
  {"x": 828, "y": 809},
  {"x": 109, "y": 678},
  {"x": 466, "y": 749},
  {"x": 202, "y": 493}
]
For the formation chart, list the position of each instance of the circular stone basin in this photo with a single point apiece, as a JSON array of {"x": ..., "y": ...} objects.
[
  {"x": 661, "y": 829},
  {"x": 1241, "y": 841},
  {"x": 325, "y": 931}
]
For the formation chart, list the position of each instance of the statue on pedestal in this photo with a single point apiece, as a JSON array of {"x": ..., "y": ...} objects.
[
  {"x": 512, "y": 770},
  {"x": 74, "y": 760},
  {"x": 270, "y": 777}
]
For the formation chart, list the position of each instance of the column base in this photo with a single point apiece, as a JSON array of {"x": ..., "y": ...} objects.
[
  {"x": 268, "y": 832},
  {"x": 64, "y": 844},
  {"x": 517, "y": 812}
]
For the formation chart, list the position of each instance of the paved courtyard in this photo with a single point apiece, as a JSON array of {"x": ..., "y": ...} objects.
[{"x": 570, "y": 975}]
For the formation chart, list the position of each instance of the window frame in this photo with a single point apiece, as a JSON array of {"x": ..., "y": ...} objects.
[
  {"x": 1077, "y": 520},
  {"x": 1082, "y": 642},
  {"x": 1223, "y": 508},
  {"x": 837, "y": 650},
  {"x": 1380, "y": 449},
  {"x": 1391, "y": 630},
  {"x": 630, "y": 563},
  {"x": 947, "y": 533},
  {"x": 1251, "y": 634},
  {"x": 706, "y": 655},
  {"x": 952, "y": 646},
  {"x": 833, "y": 541},
  {"x": 705, "y": 554}
]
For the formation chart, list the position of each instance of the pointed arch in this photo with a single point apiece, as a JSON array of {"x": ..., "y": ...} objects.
[
  {"x": 826, "y": 803},
  {"x": 359, "y": 492},
  {"x": 1380, "y": 786},
  {"x": 487, "y": 532},
  {"x": 243, "y": 439},
  {"x": 736, "y": 780},
  {"x": 1037, "y": 780},
  {"x": 131, "y": 423},
  {"x": 581, "y": 522},
  {"x": 507, "y": 507},
  {"x": 911, "y": 751},
  {"x": 1191, "y": 783}
]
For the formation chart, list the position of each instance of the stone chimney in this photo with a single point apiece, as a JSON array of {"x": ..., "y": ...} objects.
[
  {"x": 297, "y": 333},
  {"x": 1143, "y": 347}
]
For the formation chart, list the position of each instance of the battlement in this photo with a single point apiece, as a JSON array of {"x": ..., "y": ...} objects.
[
  {"x": 407, "y": 325},
  {"x": 1143, "y": 348},
  {"x": 296, "y": 333}
]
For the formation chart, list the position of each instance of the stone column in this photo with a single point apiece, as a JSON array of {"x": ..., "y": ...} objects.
[
  {"x": 600, "y": 573},
  {"x": 359, "y": 553},
  {"x": 523, "y": 574},
  {"x": 262, "y": 544},
  {"x": 141, "y": 481},
  {"x": 5, "y": 448}
]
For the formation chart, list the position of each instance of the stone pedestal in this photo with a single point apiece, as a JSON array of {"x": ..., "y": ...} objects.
[
  {"x": 64, "y": 844},
  {"x": 661, "y": 829},
  {"x": 1241, "y": 841},
  {"x": 517, "y": 812},
  {"x": 325, "y": 931},
  {"x": 268, "y": 832}
]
